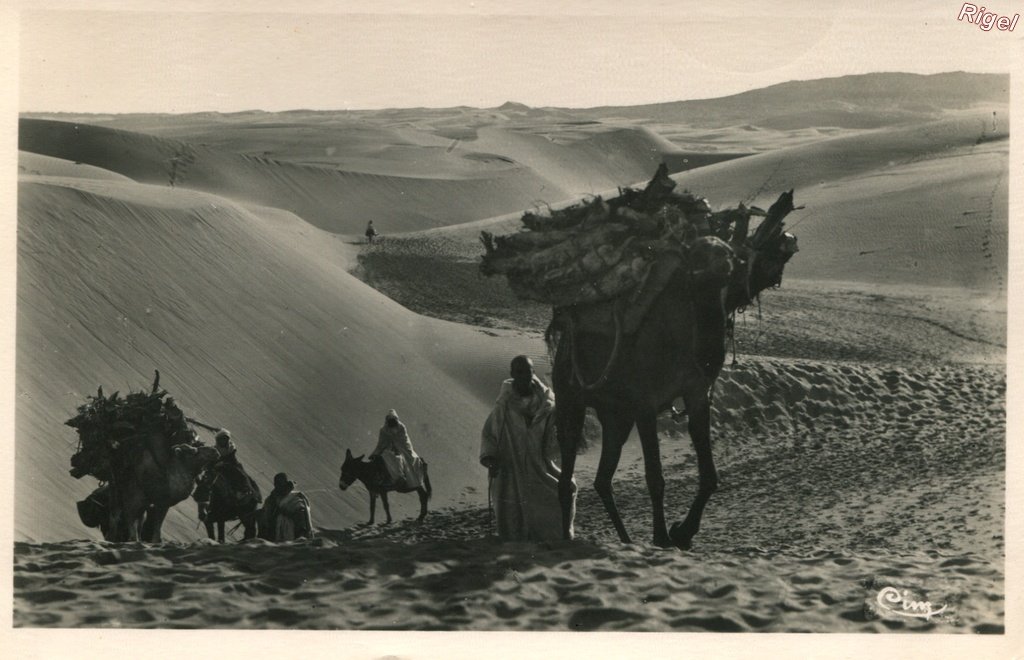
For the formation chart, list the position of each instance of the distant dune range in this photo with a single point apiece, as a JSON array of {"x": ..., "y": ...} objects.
[
  {"x": 425, "y": 185},
  {"x": 903, "y": 196},
  {"x": 218, "y": 250},
  {"x": 871, "y": 100}
]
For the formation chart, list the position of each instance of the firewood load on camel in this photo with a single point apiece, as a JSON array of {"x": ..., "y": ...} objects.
[
  {"x": 110, "y": 430},
  {"x": 146, "y": 456},
  {"x": 602, "y": 263}
]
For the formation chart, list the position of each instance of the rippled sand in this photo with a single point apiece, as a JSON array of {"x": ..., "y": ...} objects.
[{"x": 896, "y": 480}]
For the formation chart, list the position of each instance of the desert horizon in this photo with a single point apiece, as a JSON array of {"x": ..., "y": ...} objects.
[{"x": 513, "y": 103}]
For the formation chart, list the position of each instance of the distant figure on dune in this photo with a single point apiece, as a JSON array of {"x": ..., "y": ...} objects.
[
  {"x": 520, "y": 450},
  {"x": 286, "y": 513},
  {"x": 371, "y": 233},
  {"x": 395, "y": 449}
]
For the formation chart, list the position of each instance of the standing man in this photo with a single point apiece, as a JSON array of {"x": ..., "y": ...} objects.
[
  {"x": 519, "y": 448},
  {"x": 371, "y": 233}
]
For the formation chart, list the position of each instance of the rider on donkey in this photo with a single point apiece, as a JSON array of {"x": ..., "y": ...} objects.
[
  {"x": 227, "y": 467},
  {"x": 395, "y": 448}
]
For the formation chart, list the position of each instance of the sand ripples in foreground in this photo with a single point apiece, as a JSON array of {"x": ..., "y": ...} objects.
[{"x": 479, "y": 584}]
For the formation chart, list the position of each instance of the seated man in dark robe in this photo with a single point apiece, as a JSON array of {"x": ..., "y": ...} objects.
[{"x": 286, "y": 512}]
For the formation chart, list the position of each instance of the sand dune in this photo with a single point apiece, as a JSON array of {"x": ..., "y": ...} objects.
[
  {"x": 255, "y": 325},
  {"x": 846, "y": 156},
  {"x": 921, "y": 205},
  {"x": 335, "y": 200},
  {"x": 903, "y": 249},
  {"x": 31, "y": 164},
  {"x": 426, "y": 182}
]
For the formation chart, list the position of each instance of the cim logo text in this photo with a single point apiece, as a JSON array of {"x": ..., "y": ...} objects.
[{"x": 900, "y": 603}]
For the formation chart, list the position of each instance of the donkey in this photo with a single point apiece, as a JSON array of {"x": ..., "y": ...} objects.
[
  {"x": 374, "y": 475},
  {"x": 225, "y": 502}
]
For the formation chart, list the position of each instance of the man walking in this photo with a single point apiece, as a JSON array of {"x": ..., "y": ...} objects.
[{"x": 519, "y": 448}]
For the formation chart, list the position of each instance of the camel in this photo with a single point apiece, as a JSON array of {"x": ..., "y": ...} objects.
[
  {"x": 145, "y": 455},
  {"x": 163, "y": 476},
  {"x": 374, "y": 475},
  {"x": 676, "y": 351}
]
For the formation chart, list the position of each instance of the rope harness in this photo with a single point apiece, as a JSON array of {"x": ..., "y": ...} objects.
[{"x": 603, "y": 378}]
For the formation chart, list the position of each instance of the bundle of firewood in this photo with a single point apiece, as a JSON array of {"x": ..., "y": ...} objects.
[
  {"x": 111, "y": 429},
  {"x": 602, "y": 249}
]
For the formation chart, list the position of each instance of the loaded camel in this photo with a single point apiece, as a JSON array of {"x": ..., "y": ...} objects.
[
  {"x": 676, "y": 350},
  {"x": 141, "y": 448},
  {"x": 133, "y": 505},
  {"x": 164, "y": 477}
]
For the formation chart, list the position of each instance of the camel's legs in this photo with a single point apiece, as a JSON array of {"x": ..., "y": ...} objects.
[
  {"x": 129, "y": 528},
  {"x": 700, "y": 434},
  {"x": 422, "y": 492},
  {"x": 648, "y": 427},
  {"x": 153, "y": 523},
  {"x": 128, "y": 519},
  {"x": 614, "y": 433},
  {"x": 249, "y": 525},
  {"x": 387, "y": 507},
  {"x": 569, "y": 430},
  {"x": 137, "y": 527},
  {"x": 373, "y": 505},
  {"x": 116, "y": 525}
]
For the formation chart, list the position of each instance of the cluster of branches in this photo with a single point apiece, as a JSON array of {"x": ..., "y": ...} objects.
[{"x": 111, "y": 430}]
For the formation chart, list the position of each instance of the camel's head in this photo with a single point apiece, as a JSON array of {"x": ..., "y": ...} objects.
[
  {"x": 349, "y": 470},
  {"x": 711, "y": 261},
  {"x": 198, "y": 457},
  {"x": 770, "y": 261},
  {"x": 764, "y": 256}
]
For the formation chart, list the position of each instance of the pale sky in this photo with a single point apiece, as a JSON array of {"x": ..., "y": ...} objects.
[{"x": 80, "y": 57}]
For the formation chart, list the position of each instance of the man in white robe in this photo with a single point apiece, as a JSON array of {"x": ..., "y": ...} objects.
[
  {"x": 519, "y": 448},
  {"x": 395, "y": 449}
]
